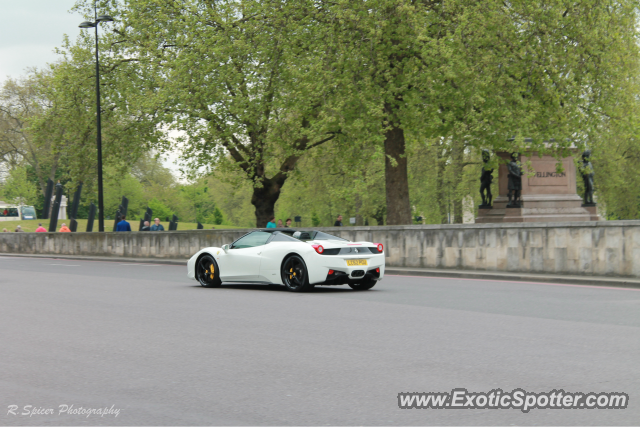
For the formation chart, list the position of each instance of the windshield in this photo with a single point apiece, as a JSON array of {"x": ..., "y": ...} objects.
[
  {"x": 251, "y": 240},
  {"x": 28, "y": 212}
]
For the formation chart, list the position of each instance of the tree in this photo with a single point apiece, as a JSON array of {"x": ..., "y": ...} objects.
[
  {"x": 18, "y": 189},
  {"x": 21, "y": 102},
  {"x": 479, "y": 72},
  {"x": 251, "y": 88},
  {"x": 48, "y": 118}
]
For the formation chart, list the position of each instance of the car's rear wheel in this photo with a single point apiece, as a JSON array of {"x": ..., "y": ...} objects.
[
  {"x": 362, "y": 285},
  {"x": 294, "y": 274},
  {"x": 207, "y": 272}
]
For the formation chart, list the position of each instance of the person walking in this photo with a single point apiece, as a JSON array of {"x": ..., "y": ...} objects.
[
  {"x": 40, "y": 228},
  {"x": 272, "y": 222},
  {"x": 338, "y": 222},
  {"x": 64, "y": 228},
  {"x": 287, "y": 223},
  {"x": 123, "y": 225},
  {"x": 19, "y": 229},
  {"x": 156, "y": 225},
  {"x": 145, "y": 227}
]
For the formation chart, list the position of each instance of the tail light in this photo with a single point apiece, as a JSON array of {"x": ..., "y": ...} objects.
[
  {"x": 377, "y": 270},
  {"x": 318, "y": 248},
  {"x": 330, "y": 272},
  {"x": 380, "y": 246}
]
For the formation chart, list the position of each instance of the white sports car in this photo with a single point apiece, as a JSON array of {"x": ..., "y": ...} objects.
[{"x": 296, "y": 259}]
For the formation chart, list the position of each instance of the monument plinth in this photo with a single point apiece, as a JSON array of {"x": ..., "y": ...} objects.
[{"x": 547, "y": 196}]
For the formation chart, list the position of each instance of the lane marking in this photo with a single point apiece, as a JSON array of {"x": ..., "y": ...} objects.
[
  {"x": 65, "y": 265},
  {"x": 514, "y": 281}
]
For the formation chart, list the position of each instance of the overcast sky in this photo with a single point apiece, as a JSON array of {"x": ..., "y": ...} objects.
[{"x": 30, "y": 30}]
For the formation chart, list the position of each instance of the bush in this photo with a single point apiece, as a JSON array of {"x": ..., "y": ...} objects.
[
  {"x": 160, "y": 210},
  {"x": 315, "y": 220},
  {"x": 217, "y": 216}
]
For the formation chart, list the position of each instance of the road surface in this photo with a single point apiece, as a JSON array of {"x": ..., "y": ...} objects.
[{"x": 147, "y": 342}]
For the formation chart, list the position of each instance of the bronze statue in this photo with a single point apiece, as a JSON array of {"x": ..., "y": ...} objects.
[
  {"x": 587, "y": 177},
  {"x": 485, "y": 181},
  {"x": 515, "y": 181}
]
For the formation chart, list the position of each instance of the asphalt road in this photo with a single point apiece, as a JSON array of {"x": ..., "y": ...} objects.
[{"x": 146, "y": 341}]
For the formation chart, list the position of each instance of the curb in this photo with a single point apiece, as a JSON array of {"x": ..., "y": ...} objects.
[
  {"x": 164, "y": 261},
  {"x": 618, "y": 282}
]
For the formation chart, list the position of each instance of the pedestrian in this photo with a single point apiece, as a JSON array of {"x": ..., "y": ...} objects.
[
  {"x": 145, "y": 227},
  {"x": 5, "y": 213},
  {"x": 287, "y": 223},
  {"x": 4, "y": 230},
  {"x": 338, "y": 222},
  {"x": 213, "y": 228},
  {"x": 64, "y": 228},
  {"x": 19, "y": 229},
  {"x": 40, "y": 228},
  {"x": 123, "y": 225},
  {"x": 280, "y": 224},
  {"x": 272, "y": 222},
  {"x": 156, "y": 225}
]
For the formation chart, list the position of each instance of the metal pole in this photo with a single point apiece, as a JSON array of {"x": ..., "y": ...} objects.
[{"x": 99, "y": 136}]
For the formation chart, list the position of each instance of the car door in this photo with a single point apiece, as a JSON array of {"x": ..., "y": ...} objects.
[{"x": 242, "y": 260}]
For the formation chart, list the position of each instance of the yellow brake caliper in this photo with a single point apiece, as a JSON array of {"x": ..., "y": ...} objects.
[
  {"x": 212, "y": 271},
  {"x": 291, "y": 275}
]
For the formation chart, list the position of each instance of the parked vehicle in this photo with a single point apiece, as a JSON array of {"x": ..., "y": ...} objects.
[{"x": 10, "y": 212}]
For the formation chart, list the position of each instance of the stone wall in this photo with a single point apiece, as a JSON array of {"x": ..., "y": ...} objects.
[{"x": 598, "y": 248}]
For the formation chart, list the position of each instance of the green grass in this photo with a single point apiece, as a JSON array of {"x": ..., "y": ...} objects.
[{"x": 31, "y": 225}]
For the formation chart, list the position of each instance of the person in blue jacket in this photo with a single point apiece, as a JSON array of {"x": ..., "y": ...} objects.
[
  {"x": 157, "y": 226},
  {"x": 123, "y": 225},
  {"x": 272, "y": 223}
]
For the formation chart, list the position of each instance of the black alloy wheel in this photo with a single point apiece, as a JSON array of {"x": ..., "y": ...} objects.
[
  {"x": 207, "y": 272},
  {"x": 294, "y": 274},
  {"x": 362, "y": 285}
]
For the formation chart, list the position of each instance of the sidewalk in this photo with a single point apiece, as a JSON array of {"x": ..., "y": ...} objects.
[{"x": 620, "y": 282}]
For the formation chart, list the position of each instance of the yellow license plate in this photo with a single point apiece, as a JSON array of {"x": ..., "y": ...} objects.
[{"x": 356, "y": 262}]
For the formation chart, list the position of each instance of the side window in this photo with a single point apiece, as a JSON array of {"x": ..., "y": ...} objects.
[
  {"x": 257, "y": 238},
  {"x": 282, "y": 237}
]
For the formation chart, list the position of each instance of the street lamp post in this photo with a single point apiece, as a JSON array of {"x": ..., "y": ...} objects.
[{"x": 89, "y": 24}]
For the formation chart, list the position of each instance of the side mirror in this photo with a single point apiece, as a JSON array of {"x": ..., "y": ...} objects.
[{"x": 225, "y": 248}]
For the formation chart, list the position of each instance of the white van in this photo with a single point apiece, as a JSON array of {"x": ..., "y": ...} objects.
[{"x": 16, "y": 213}]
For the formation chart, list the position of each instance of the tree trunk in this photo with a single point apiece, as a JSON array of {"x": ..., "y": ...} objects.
[
  {"x": 396, "y": 178},
  {"x": 358, "y": 206},
  {"x": 457, "y": 165},
  {"x": 264, "y": 199},
  {"x": 440, "y": 191}
]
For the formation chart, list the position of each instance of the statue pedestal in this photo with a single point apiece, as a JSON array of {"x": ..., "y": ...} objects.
[
  {"x": 546, "y": 197},
  {"x": 593, "y": 211}
]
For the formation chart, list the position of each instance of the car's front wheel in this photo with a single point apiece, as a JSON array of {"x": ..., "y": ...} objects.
[
  {"x": 294, "y": 274},
  {"x": 207, "y": 272},
  {"x": 362, "y": 285}
]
